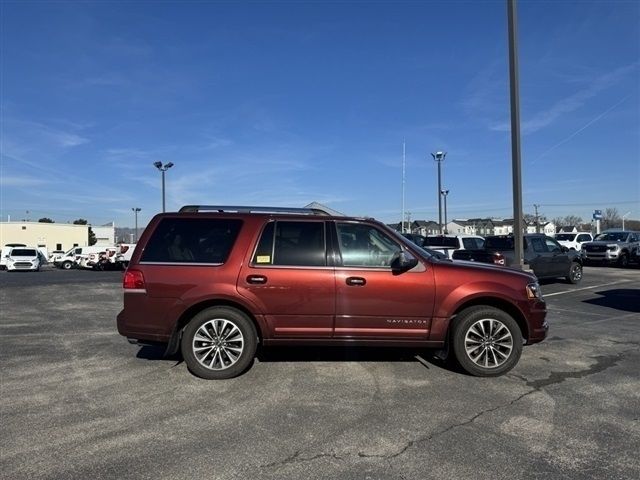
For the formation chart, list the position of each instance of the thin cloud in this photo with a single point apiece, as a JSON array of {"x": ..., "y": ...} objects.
[
  {"x": 573, "y": 102},
  {"x": 9, "y": 181}
]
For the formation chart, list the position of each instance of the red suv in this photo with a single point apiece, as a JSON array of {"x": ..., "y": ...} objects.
[{"x": 215, "y": 281}]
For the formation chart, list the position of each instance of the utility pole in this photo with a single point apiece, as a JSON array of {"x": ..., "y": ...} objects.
[
  {"x": 537, "y": 223},
  {"x": 516, "y": 164}
]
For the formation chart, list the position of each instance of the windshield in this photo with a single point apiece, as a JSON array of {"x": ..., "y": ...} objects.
[
  {"x": 23, "y": 252},
  {"x": 611, "y": 237},
  {"x": 569, "y": 237}
]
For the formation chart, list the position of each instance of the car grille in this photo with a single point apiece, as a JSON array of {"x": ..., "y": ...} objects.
[
  {"x": 596, "y": 248},
  {"x": 22, "y": 264}
]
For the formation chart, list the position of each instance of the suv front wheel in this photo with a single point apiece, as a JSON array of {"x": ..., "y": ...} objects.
[
  {"x": 219, "y": 343},
  {"x": 487, "y": 342}
]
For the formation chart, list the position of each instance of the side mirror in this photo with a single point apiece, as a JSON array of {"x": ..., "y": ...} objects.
[
  {"x": 565, "y": 249},
  {"x": 403, "y": 261}
]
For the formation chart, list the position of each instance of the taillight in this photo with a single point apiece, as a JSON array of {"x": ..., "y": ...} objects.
[
  {"x": 124, "y": 248},
  {"x": 133, "y": 280},
  {"x": 498, "y": 259}
]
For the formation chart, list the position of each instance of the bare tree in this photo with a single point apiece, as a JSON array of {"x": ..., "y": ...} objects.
[
  {"x": 611, "y": 218},
  {"x": 573, "y": 220}
]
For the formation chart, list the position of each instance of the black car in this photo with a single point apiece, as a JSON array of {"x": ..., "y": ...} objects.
[{"x": 544, "y": 255}]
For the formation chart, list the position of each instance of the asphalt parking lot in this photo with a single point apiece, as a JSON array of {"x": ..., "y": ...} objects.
[{"x": 79, "y": 402}]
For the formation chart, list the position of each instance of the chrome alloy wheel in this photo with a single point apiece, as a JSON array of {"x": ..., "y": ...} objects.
[
  {"x": 218, "y": 344},
  {"x": 576, "y": 273},
  {"x": 488, "y": 343}
]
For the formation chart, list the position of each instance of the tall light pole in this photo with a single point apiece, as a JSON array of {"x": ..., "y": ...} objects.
[
  {"x": 628, "y": 213},
  {"x": 135, "y": 211},
  {"x": 444, "y": 193},
  {"x": 439, "y": 158},
  {"x": 163, "y": 168}
]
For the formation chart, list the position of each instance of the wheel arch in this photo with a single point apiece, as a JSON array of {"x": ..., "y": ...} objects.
[
  {"x": 495, "y": 302},
  {"x": 174, "y": 341}
]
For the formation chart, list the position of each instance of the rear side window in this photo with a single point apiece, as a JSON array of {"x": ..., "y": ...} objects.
[
  {"x": 292, "y": 244},
  {"x": 500, "y": 243},
  {"x": 473, "y": 243},
  {"x": 192, "y": 240}
]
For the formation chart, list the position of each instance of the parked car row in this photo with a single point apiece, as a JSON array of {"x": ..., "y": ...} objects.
[{"x": 115, "y": 257}]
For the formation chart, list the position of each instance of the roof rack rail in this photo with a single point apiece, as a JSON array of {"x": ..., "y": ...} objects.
[{"x": 247, "y": 209}]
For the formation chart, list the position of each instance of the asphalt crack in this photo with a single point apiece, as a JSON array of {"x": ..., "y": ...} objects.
[{"x": 603, "y": 362}]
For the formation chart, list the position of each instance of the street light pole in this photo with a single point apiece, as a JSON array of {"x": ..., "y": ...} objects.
[
  {"x": 439, "y": 158},
  {"x": 444, "y": 194},
  {"x": 628, "y": 213},
  {"x": 163, "y": 168},
  {"x": 135, "y": 211}
]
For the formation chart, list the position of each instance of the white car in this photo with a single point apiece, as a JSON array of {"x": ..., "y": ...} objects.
[
  {"x": 447, "y": 244},
  {"x": 573, "y": 241},
  {"x": 23, "y": 258}
]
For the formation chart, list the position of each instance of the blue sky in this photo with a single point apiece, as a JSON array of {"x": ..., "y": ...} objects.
[{"x": 284, "y": 103}]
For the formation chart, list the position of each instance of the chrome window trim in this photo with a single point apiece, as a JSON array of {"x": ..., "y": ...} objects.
[{"x": 194, "y": 264}]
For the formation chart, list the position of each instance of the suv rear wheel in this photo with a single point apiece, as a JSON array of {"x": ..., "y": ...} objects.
[
  {"x": 219, "y": 343},
  {"x": 487, "y": 342}
]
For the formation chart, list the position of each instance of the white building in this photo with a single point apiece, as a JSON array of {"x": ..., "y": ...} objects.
[
  {"x": 52, "y": 236},
  {"x": 105, "y": 234}
]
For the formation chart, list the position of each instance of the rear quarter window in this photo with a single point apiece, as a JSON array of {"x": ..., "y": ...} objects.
[{"x": 192, "y": 240}]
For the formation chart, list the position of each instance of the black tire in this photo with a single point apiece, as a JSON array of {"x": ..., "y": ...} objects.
[
  {"x": 623, "y": 260},
  {"x": 575, "y": 273},
  {"x": 236, "y": 335},
  {"x": 500, "y": 348},
  {"x": 67, "y": 265}
]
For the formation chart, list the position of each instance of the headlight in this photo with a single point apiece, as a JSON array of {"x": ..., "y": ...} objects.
[
  {"x": 613, "y": 248},
  {"x": 534, "y": 291}
]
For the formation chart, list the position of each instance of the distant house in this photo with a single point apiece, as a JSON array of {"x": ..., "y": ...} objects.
[
  {"x": 425, "y": 227},
  {"x": 567, "y": 229}
]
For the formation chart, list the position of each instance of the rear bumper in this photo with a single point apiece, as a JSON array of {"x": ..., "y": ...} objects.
[{"x": 135, "y": 334}]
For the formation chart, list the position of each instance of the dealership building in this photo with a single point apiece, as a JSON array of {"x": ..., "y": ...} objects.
[{"x": 54, "y": 236}]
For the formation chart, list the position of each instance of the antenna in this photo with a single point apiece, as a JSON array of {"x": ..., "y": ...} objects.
[{"x": 403, "y": 182}]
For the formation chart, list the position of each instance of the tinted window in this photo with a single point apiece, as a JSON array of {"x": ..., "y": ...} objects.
[
  {"x": 499, "y": 243},
  {"x": 538, "y": 244},
  {"x": 293, "y": 244},
  {"x": 612, "y": 237},
  {"x": 365, "y": 246},
  {"x": 568, "y": 237},
  {"x": 584, "y": 238},
  {"x": 552, "y": 246},
  {"x": 441, "y": 242},
  {"x": 192, "y": 240},
  {"x": 473, "y": 243},
  {"x": 23, "y": 252}
]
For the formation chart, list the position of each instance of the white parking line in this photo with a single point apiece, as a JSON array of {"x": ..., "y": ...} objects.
[{"x": 586, "y": 288}]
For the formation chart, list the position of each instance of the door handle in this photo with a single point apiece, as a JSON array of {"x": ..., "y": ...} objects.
[
  {"x": 257, "y": 279},
  {"x": 356, "y": 281}
]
